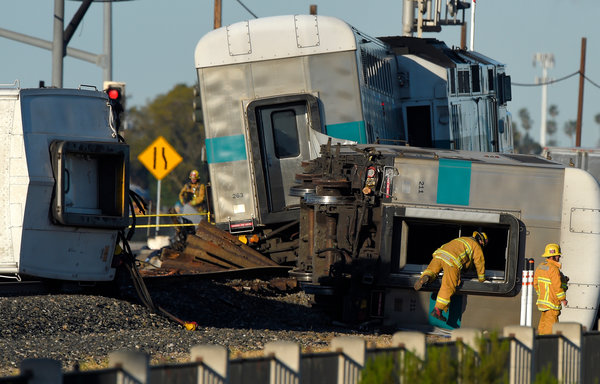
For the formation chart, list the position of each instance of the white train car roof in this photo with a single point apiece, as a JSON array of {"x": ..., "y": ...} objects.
[{"x": 272, "y": 38}]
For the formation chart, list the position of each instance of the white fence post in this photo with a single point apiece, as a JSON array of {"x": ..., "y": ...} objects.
[
  {"x": 356, "y": 349},
  {"x": 413, "y": 341},
  {"x": 521, "y": 353},
  {"x": 135, "y": 364},
  {"x": 569, "y": 352},
  {"x": 288, "y": 354},
  {"x": 216, "y": 360}
]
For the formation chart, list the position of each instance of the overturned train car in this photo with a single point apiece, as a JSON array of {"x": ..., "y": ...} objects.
[
  {"x": 64, "y": 184},
  {"x": 274, "y": 89},
  {"x": 371, "y": 217}
]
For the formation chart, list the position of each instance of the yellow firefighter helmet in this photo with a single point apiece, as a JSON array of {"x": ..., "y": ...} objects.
[
  {"x": 552, "y": 250},
  {"x": 481, "y": 238},
  {"x": 194, "y": 174}
]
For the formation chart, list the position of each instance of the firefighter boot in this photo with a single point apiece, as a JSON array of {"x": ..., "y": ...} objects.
[
  {"x": 437, "y": 313},
  {"x": 422, "y": 281}
]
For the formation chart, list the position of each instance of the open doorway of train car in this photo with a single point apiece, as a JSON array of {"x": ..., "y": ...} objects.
[
  {"x": 279, "y": 131},
  {"x": 418, "y": 124},
  {"x": 414, "y": 239}
]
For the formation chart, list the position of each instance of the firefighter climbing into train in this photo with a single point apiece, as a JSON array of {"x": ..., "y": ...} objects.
[
  {"x": 194, "y": 193},
  {"x": 452, "y": 257},
  {"x": 550, "y": 285}
]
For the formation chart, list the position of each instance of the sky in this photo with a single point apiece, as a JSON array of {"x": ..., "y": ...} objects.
[{"x": 154, "y": 41}]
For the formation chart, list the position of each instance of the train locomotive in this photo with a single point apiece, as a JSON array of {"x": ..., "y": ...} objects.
[{"x": 372, "y": 215}]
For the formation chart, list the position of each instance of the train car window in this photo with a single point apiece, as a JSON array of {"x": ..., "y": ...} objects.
[
  {"x": 491, "y": 79},
  {"x": 456, "y": 140},
  {"x": 285, "y": 134},
  {"x": 475, "y": 79},
  {"x": 452, "y": 82},
  {"x": 412, "y": 241},
  {"x": 463, "y": 82},
  {"x": 504, "y": 90}
]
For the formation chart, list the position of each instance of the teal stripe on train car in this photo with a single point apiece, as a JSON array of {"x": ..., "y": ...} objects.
[
  {"x": 354, "y": 131},
  {"x": 225, "y": 148},
  {"x": 454, "y": 182}
]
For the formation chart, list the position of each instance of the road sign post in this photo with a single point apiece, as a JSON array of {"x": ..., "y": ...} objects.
[{"x": 159, "y": 158}]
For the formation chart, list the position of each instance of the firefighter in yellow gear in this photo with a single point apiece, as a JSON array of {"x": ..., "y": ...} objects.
[
  {"x": 194, "y": 193},
  {"x": 550, "y": 285},
  {"x": 460, "y": 253}
]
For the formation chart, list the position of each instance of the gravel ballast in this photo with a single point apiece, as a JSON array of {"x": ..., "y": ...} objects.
[{"x": 82, "y": 329}]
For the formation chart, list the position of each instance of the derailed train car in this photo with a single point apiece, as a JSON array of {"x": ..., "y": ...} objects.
[
  {"x": 64, "y": 184},
  {"x": 371, "y": 217},
  {"x": 274, "y": 89}
]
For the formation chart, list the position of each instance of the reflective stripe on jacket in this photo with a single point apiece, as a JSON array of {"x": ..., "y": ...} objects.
[
  {"x": 547, "y": 281},
  {"x": 461, "y": 253}
]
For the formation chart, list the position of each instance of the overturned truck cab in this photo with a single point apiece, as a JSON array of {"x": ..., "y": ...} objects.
[
  {"x": 371, "y": 217},
  {"x": 63, "y": 184}
]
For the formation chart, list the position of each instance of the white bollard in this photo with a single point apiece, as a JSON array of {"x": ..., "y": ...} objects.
[
  {"x": 524, "y": 295},
  {"x": 530, "y": 289}
]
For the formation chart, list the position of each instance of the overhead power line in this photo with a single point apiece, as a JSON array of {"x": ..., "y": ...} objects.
[
  {"x": 247, "y": 9},
  {"x": 556, "y": 81},
  {"x": 547, "y": 82},
  {"x": 590, "y": 80}
]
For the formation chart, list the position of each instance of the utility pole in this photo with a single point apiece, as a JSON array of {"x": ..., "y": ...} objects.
[
  {"x": 547, "y": 61},
  {"x": 58, "y": 44},
  {"x": 580, "y": 102},
  {"x": 107, "y": 65},
  {"x": 463, "y": 36},
  {"x": 217, "y": 14}
]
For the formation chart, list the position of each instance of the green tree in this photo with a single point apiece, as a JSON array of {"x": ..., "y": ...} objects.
[{"x": 170, "y": 116}]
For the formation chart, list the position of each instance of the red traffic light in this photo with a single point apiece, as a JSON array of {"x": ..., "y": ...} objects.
[{"x": 113, "y": 94}]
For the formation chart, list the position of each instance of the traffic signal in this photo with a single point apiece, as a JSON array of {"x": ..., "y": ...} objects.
[
  {"x": 116, "y": 98},
  {"x": 197, "y": 104}
]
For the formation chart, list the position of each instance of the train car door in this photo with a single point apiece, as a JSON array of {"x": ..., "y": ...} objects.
[
  {"x": 281, "y": 128},
  {"x": 280, "y": 136},
  {"x": 418, "y": 122}
]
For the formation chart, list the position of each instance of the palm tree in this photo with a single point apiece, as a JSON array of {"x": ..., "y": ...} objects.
[
  {"x": 551, "y": 125},
  {"x": 569, "y": 128}
]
